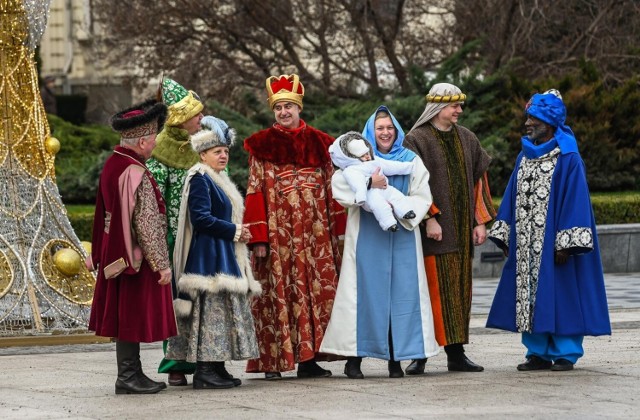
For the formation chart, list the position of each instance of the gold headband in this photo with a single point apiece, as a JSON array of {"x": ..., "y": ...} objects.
[{"x": 446, "y": 98}]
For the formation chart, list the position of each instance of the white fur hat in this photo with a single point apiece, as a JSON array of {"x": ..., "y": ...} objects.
[
  {"x": 215, "y": 132},
  {"x": 357, "y": 147}
]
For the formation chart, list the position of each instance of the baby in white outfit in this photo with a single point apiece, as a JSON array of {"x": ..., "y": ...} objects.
[{"x": 353, "y": 154}]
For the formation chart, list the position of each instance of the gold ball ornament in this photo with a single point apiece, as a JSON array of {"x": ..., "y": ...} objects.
[
  {"x": 67, "y": 261},
  {"x": 52, "y": 145},
  {"x": 86, "y": 246}
]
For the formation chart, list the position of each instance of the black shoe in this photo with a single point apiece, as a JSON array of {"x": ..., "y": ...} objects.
[
  {"x": 271, "y": 376},
  {"x": 416, "y": 367},
  {"x": 410, "y": 215},
  {"x": 395, "y": 369},
  {"x": 393, "y": 228},
  {"x": 206, "y": 377},
  {"x": 461, "y": 363},
  {"x": 310, "y": 369},
  {"x": 561, "y": 365},
  {"x": 352, "y": 368},
  {"x": 534, "y": 363},
  {"x": 222, "y": 372}
]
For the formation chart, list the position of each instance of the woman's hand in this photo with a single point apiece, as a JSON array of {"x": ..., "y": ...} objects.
[
  {"x": 434, "y": 230},
  {"x": 377, "y": 180},
  {"x": 245, "y": 235},
  {"x": 479, "y": 235}
]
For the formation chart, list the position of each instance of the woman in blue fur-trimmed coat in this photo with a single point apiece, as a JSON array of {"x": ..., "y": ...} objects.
[{"x": 211, "y": 263}]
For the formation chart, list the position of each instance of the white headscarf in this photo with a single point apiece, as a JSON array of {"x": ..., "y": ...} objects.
[{"x": 440, "y": 95}]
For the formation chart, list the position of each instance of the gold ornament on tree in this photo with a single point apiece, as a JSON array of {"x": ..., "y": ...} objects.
[
  {"x": 67, "y": 261},
  {"x": 52, "y": 145}
]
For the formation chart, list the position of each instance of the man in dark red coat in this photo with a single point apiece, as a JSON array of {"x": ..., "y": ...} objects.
[{"x": 132, "y": 301}]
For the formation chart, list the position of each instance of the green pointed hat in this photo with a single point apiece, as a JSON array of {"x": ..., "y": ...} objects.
[{"x": 182, "y": 103}]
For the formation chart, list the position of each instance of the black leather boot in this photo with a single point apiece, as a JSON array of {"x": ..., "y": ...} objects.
[
  {"x": 144, "y": 378},
  {"x": 310, "y": 369},
  {"x": 352, "y": 368},
  {"x": 222, "y": 372},
  {"x": 395, "y": 368},
  {"x": 206, "y": 377},
  {"x": 457, "y": 361},
  {"x": 131, "y": 380},
  {"x": 416, "y": 367}
]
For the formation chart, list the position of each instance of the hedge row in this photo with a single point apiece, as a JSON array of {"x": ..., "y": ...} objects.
[{"x": 608, "y": 209}]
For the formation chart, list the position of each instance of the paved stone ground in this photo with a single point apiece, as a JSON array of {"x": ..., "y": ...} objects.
[
  {"x": 76, "y": 382},
  {"x": 623, "y": 292}
]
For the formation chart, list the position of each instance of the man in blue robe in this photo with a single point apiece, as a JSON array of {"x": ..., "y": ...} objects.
[{"x": 552, "y": 286}]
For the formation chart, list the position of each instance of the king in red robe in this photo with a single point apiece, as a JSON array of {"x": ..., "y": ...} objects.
[{"x": 295, "y": 224}]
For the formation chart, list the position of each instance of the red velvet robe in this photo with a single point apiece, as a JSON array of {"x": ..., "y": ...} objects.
[
  {"x": 128, "y": 249},
  {"x": 290, "y": 207}
]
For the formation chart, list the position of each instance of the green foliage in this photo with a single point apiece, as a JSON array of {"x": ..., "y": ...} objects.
[
  {"x": 616, "y": 208},
  {"x": 455, "y": 69},
  {"x": 83, "y": 150},
  {"x": 82, "y": 224}
]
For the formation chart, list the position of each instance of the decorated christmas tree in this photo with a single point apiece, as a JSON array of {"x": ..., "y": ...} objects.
[{"x": 44, "y": 284}]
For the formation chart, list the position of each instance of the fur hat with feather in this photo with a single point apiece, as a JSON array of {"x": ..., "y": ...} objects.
[{"x": 215, "y": 132}]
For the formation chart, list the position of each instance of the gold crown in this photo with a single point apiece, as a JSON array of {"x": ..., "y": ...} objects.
[
  {"x": 285, "y": 88},
  {"x": 183, "y": 110}
]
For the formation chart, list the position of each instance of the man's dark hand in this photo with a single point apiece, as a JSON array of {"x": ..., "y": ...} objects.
[{"x": 562, "y": 256}]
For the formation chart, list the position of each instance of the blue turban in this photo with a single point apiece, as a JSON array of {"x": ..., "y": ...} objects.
[{"x": 549, "y": 108}]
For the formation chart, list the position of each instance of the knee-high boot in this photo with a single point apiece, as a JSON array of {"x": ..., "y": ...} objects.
[{"x": 130, "y": 379}]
